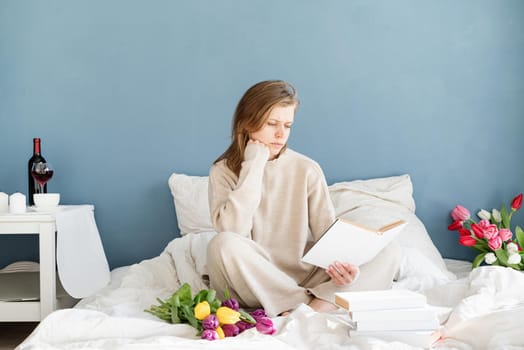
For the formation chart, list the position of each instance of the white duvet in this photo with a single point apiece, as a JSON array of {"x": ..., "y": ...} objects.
[{"x": 482, "y": 310}]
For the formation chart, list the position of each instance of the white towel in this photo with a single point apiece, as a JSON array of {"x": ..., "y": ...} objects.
[{"x": 81, "y": 261}]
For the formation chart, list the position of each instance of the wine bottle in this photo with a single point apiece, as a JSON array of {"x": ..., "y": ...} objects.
[{"x": 36, "y": 158}]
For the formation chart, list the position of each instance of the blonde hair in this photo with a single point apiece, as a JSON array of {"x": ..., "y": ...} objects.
[{"x": 251, "y": 114}]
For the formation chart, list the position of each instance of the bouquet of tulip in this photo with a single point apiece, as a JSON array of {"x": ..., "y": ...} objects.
[
  {"x": 213, "y": 319},
  {"x": 492, "y": 235}
]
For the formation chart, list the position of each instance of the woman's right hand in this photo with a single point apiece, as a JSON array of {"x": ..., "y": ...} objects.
[{"x": 253, "y": 148}]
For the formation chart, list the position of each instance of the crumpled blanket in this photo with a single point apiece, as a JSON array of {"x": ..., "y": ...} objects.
[{"x": 485, "y": 309}]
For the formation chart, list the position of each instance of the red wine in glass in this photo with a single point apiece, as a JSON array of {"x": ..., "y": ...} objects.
[
  {"x": 42, "y": 178},
  {"x": 42, "y": 173}
]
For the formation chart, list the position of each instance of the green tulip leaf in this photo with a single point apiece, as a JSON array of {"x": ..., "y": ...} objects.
[
  {"x": 211, "y": 294},
  {"x": 520, "y": 236},
  {"x": 214, "y": 305},
  {"x": 478, "y": 260},
  {"x": 201, "y": 296},
  {"x": 184, "y": 294},
  {"x": 482, "y": 246},
  {"x": 505, "y": 217},
  {"x": 188, "y": 315},
  {"x": 244, "y": 316},
  {"x": 502, "y": 255},
  {"x": 175, "y": 318}
]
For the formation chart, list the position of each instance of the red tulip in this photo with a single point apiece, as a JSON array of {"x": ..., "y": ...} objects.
[
  {"x": 477, "y": 230},
  {"x": 455, "y": 225},
  {"x": 516, "y": 203},
  {"x": 467, "y": 241},
  {"x": 464, "y": 232}
]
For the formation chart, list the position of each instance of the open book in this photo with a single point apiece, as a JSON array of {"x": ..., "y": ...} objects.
[{"x": 346, "y": 241}]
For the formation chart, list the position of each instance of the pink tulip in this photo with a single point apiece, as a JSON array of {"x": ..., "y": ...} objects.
[
  {"x": 491, "y": 232},
  {"x": 455, "y": 225},
  {"x": 209, "y": 334},
  {"x": 210, "y": 322},
  {"x": 243, "y": 325},
  {"x": 484, "y": 223},
  {"x": 459, "y": 213},
  {"x": 505, "y": 234},
  {"x": 230, "y": 330},
  {"x": 265, "y": 325},
  {"x": 495, "y": 243},
  {"x": 467, "y": 241},
  {"x": 516, "y": 203},
  {"x": 258, "y": 313},
  {"x": 231, "y": 303}
]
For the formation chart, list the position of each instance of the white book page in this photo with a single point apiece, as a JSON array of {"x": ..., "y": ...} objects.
[{"x": 351, "y": 243}]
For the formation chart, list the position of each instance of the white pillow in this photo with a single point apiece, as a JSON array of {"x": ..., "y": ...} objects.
[
  {"x": 376, "y": 202},
  {"x": 191, "y": 203},
  {"x": 373, "y": 202}
]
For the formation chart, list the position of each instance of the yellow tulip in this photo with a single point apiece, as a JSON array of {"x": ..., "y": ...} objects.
[
  {"x": 202, "y": 310},
  {"x": 226, "y": 315},
  {"x": 220, "y": 332}
]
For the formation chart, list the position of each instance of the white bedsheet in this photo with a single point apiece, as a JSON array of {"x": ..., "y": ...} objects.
[{"x": 483, "y": 309}]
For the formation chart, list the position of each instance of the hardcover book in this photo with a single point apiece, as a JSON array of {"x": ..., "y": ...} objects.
[
  {"x": 380, "y": 300},
  {"x": 350, "y": 242},
  {"x": 421, "y": 339},
  {"x": 417, "y": 313},
  {"x": 430, "y": 323}
]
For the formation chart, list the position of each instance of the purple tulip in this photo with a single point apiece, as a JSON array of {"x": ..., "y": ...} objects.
[
  {"x": 231, "y": 303},
  {"x": 243, "y": 325},
  {"x": 258, "y": 313},
  {"x": 210, "y": 322},
  {"x": 265, "y": 326},
  {"x": 230, "y": 330},
  {"x": 209, "y": 334}
]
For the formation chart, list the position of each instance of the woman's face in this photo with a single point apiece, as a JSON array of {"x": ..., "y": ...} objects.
[{"x": 275, "y": 132}]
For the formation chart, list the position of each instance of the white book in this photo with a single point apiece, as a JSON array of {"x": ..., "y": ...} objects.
[
  {"x": 380, "y": 299},
  {"x": 350, "y": 242},
  {"x": 421, "y": 339},
  {"x": 404, "y": 314},
  {"x": 427, "y": 324}
]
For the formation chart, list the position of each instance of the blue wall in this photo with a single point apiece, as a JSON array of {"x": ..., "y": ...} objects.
[{"x": 123, "y": 93}]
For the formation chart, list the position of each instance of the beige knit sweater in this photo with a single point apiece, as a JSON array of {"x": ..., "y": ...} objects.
[{"x": 282, "y": 204}]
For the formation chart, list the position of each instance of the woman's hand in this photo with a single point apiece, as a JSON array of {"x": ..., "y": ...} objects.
[
  {"x": 342, "y": 273},
  {"x": 256, "y": 142},
  {"x": 250, "y": 153}
]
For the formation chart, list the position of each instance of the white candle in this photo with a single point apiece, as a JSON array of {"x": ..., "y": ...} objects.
[
  {"x": 17, "y": 203},
  {"x": 4, "y": 202}
]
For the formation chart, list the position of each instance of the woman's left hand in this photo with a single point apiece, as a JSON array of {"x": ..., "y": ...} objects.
[{"x": 342, "y": 273}]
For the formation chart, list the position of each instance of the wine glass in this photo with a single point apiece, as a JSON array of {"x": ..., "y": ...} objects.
[{"x": 42, "y": 172}]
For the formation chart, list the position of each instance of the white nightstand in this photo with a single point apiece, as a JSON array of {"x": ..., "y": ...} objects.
[{"x": 44, "y": 226}]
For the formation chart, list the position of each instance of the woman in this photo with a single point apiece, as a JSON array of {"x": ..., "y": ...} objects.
[{"x": 269, "y": 205}]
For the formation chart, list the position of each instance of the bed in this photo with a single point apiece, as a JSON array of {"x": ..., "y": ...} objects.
[{"x": 478, "y": 309}]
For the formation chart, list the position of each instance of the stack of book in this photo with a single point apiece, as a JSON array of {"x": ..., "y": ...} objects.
[{"x": 392, "y": 315}]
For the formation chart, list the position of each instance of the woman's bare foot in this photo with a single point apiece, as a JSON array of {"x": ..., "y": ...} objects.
[{"x": 320, "y": 305}]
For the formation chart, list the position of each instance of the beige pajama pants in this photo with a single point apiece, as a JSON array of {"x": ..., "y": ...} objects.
[{"x": 245, "y": 269}]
